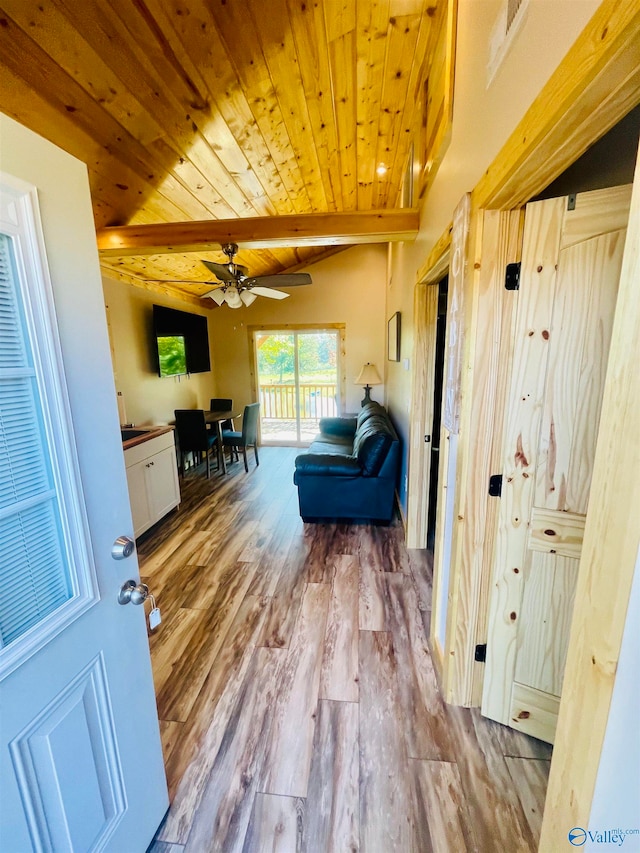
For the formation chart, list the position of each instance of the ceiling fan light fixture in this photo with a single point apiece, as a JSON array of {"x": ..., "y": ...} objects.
[
  {"x": 232, "y": 298},
  {"x": 237, "y": 288}
]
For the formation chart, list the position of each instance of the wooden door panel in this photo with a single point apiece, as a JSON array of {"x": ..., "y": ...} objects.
[
  {"x": 556, "y": 533},
  {"x": 545, "y": 614},
  {"x": 579, "y": 341},
  {"x": 524, "y": 409},
  {"x": 570, "y": 270},
  {"x": 603, "y": 256},
  {"x": 596, "y": 212},
  {"x": 533, "y": 712},
  {"x": 560, "y": 396}
]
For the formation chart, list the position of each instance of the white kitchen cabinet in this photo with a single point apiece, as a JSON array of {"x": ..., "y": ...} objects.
[{"x": 152, "y": 477}]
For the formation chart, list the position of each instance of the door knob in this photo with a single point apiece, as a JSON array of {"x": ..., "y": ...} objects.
[
  {"x": 132, "y": 592},
  {"x": 123, "y": 547}
]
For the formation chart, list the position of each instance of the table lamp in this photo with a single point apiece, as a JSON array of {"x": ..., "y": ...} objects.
[{"x": 368, "y": 376}]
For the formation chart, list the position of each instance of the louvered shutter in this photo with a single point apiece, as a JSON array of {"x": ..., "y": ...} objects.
[{"x": 34, "y": 580}]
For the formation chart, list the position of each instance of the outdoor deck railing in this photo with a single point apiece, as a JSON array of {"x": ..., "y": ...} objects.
[{"x": 279, "y": 401}]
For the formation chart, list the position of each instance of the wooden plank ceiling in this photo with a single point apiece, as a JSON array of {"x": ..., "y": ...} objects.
[{"x": 220, "y": 109}]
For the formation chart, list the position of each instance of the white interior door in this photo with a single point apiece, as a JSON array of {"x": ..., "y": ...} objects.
[
  {"x": 80, "y": 756},
  {"x": 572, "y": 256}
]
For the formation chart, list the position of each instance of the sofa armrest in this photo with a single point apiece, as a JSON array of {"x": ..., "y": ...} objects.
[
  {"x": 327, "y": 465},
  {"x": 338, "y": 426}
]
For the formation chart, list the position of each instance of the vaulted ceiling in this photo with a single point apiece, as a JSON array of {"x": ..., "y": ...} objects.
[{"x": 223, "y": 109}]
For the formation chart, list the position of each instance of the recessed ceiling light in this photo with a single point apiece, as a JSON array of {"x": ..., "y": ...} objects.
[{"x": 381, "y": 171}]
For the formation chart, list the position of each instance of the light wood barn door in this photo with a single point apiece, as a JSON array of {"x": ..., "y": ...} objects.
[{"x": 568, "y": 286}]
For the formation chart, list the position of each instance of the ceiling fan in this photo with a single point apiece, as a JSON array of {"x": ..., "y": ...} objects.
[{"x": 236, "y": 287}]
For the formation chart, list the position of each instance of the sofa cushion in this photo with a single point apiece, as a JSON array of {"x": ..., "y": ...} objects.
[
  {"x": 326, "y": 465},
  {"x": 371, "y": 444},
  {"x": 329, "y": 444},
  {"x": 343, "y": 427},
  {"x": 371, "y": 409}
]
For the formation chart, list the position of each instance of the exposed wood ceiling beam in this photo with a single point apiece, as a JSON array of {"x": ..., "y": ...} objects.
[
  {"x": 155, "y": 287},
  {"x": 315, "y": 229}
]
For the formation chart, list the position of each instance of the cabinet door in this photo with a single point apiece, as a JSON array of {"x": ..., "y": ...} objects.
[
  {"x": 140, "y": 509},
  {"x": 163, "y": 491}
]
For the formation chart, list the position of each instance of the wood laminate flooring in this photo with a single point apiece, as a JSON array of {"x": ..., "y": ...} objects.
[{"x": 298, "y": 703}]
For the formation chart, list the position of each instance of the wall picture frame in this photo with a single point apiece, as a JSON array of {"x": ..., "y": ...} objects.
[{"x": 393, "y": 337}]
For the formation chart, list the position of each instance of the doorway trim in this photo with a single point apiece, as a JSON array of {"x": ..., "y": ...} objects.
[{"x": 422, "y": 388}]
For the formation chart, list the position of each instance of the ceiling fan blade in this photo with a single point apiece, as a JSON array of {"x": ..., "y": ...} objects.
[
  {"x": 219, "y": 270},
  {"x": 267, "y": 291},
  {"x": 280, "y": 280},
  {"x": 223, "y": 272}
]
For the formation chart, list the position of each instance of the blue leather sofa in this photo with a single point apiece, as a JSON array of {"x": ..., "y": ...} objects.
[{"x": 350, "y": 469}]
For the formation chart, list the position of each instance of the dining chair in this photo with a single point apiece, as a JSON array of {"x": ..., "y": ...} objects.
[
  {"x": 194, "y": 436},
  {"x": 249, "y": 435},
  {"x": 222, "y": 404}
]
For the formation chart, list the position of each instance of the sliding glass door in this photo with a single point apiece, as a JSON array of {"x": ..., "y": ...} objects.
[{"x": 298, "y": 382}]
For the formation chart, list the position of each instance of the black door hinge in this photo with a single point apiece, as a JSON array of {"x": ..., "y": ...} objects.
[
  {"x": 481, "y": 653},
  {"x": 512, "y": 277},
  {"x": 495, "y": 485}
]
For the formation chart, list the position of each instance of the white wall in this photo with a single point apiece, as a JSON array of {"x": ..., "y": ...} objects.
[
  {"x": 482, "y": 122},
  {"x": 616, "y": 800}
]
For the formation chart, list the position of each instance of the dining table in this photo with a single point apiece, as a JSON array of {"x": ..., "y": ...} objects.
[{"x": 216, "y": 419}]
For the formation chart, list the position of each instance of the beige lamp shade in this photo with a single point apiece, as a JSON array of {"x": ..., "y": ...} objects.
[{"x": 368, "y": 375}]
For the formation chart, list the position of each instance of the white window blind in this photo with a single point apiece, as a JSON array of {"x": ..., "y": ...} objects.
[{"x": 34, "y": 580}]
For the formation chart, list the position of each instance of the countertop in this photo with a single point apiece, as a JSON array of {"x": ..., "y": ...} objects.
[{"x": 147, "y": 433}]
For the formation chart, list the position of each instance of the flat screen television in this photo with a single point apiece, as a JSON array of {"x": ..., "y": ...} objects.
[
  {"x": 172, "y": 355},
  {"x": 182, "y": 342}
]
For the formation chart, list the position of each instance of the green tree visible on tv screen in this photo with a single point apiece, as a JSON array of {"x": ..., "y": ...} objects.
[{"x": 173, "y": 357}]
